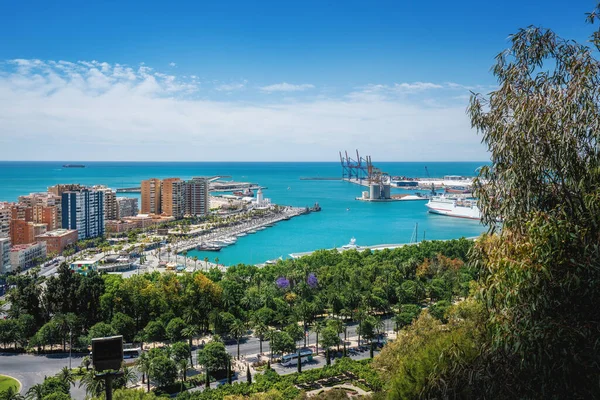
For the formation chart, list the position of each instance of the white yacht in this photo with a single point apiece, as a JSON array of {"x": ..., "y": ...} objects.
[
  {"x": 351, "y": 245},
  {"x": 454, "y": 207}
]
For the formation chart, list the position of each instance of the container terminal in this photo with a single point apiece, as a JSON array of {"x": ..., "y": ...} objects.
[{"x": 362, "y": 172}]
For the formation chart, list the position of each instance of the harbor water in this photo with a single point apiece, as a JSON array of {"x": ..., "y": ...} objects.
[{"x": 342, "y": 217}]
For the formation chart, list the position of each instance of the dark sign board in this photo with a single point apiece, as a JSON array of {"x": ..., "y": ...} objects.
[{"x": 107, "y": 353}]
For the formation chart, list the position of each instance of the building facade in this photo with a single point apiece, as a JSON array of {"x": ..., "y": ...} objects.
[
  {"x": 197, "y": 200},
  {"x": 173, "y": 197},
  {"x": 111, "y": 210},
  {"x": 24, "y": 232},
  {"x": 151, "y": 196},
  {"x": 5, "y": 255},
  {"x": 83, "y": 211},
  {"x": 48, "y": 215},
  {"x": 57, "y": 240},
  {"x": 58, "y": 190},
  {"x": 5, "y": 217},
  {"x": 25, "y": 256},
  {"x": 127, "y": 207}
]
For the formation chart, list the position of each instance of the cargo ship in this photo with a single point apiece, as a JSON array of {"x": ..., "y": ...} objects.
[
  {"x": 454, "y": 207},
  {"x": 73, "y": 166}
]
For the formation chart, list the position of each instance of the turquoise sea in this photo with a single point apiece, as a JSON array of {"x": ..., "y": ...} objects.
[{"x": 342, "y": 217}]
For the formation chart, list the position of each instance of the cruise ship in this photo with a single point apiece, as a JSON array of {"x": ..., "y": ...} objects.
[{"x": 454, "y": 207}]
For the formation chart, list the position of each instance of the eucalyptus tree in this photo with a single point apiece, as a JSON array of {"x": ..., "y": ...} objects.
[{"x": 541, "y": 127}]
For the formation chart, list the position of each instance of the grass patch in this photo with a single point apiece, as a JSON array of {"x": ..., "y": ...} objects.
[{"x": 7, "y": 381}]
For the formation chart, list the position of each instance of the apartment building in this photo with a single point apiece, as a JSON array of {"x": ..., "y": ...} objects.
[
  {"x": 197, "y": 199},
  {"x": 173, "y": 197},
  {"x": 151, "y": 196},
  {"x": 25, "y": 256},
  {"x": 83, "y": 211},
  {"x": 127, "y": 207},
  {"x": 5, "y": 255}
]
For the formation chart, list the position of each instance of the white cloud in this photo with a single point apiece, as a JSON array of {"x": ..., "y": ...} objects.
[
  {"x": 96, "y": 111},
  {"x": 287, "y": 87},
  {"x": 172, "y": 64},
  {"x": 230, "y": 87}
]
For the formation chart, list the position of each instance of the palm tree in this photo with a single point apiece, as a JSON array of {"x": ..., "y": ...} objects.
[
  {"x": 206, "y": 263},
  {"x": 337, "y": 326},
  {"x": 261, "y": 329},
  {"x": 66, "y": 376},
  {"x": 129, "y": 376},
  {"x": 93, "y": 387},
  {"x": 238, "y": 328},
  {"x": 189, "y": 332},
  {"x": 11, "y": 394},
  {"x": 195, "y": 258},
  {"x": 317, "y": 328},
  {"x": 217, "y": 261},
  {"x": 272, "y": 334},
  {"x": 184, "y": 253},
  {"x": 183, "y": 365},
  {"x": 36, "y": 392},
  {"x": 143, "y": 365}
]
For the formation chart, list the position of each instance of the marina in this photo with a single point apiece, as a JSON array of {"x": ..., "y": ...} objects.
[{"x": 341, "y": 217}]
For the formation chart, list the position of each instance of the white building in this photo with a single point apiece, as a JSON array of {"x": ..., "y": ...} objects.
[
  {"x": 24, "y": 256},
  {"x": 84, "y": 210},
  {"x": 5, "y": 265}
]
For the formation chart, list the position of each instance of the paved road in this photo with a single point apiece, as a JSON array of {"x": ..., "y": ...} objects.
[{"x": 31, "y": 369}]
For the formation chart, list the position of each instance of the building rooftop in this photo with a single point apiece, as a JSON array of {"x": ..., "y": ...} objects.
[
  {"x": 84, "y": 262},
  {"x": 20, "y": 247},
  {"x": 56, "y": 233}
]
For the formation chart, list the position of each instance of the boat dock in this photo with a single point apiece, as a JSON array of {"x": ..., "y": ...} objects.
[
  {"x": 320, "y": 178},
  {"x": 130, "y": 190}
]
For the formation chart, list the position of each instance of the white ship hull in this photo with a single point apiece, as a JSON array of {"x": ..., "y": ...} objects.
[{"x": 450, "y": 207}]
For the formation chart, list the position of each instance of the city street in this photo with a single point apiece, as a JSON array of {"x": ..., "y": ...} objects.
[{"x": 31, "y": 369}]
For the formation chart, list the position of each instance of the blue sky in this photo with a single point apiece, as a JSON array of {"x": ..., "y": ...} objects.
[{"x": 246, "y": 80}]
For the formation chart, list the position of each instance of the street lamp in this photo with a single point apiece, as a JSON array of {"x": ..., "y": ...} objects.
[{"x": 70, "y": 345}]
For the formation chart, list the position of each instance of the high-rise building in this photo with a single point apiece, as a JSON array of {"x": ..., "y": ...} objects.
[
  {"x": 21, "y": 211},
  {"x": 42, "y": 208},
  {"x": 48, "y": 215},
  {"x": 151, "y": 196},
  {"x": 172, "y": 201},
  {"x": 24, "y": 232},
  {"x": 111, "y": 210},
  {"x": 5, "y": 255},
  {"x": 197, "y": 203},
  {"x": 83, "y": 210},
  {"x": 128, "y": 207}
]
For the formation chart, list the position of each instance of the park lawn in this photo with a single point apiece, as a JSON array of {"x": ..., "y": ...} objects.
[{"x": 6, "y": 382}]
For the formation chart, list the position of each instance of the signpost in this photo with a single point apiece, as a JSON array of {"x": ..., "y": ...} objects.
[{"x": 107, "y": 357}]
